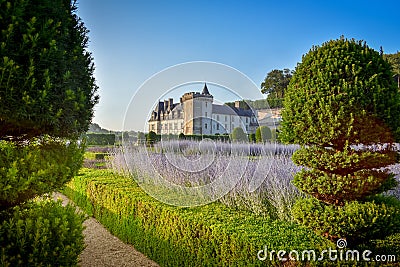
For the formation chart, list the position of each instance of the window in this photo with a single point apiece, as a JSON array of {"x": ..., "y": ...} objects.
[
  {"x": 205, "y": 126},
  {"x": 226, "y": 118},
  {"x": 218, "y": 126},
  {"x": 206, "y": 106},
  {"x": 206, "y": 113},
  {"x": 247, "y": 120},
  {"x": 217, "y": 117}
]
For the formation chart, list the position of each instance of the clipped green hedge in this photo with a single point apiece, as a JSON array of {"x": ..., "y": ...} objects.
[
  {"x": 211, "y": 235},
  {"x": 40, "y": 233},
  {"x": 97, "y": 139}
]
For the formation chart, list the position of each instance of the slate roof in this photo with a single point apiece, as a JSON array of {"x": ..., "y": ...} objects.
[
  {"x": 227, "y": 110},
  {"x": 205, "y": 90}
]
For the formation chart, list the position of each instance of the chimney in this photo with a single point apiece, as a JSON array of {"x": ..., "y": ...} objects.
[
  {"x": 166, "y": 104},
  {"x": 237, "y": 104}
]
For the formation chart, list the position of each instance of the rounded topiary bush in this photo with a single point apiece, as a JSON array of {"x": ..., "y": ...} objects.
[
  {"x": 47, "y": 95},
  {"x": 42, "y": 166},
  {"x": 263, "y": 134},
  {"x": 342, "y": 107},
  {"x": 41, "y": 234},
  {"x": 238, "y": 135}
]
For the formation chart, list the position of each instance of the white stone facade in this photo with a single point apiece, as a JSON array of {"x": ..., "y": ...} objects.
[{"x": 196, "y": 114}]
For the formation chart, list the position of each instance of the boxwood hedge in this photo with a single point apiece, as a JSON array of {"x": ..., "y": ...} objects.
[{"x": 211, "y": 235}]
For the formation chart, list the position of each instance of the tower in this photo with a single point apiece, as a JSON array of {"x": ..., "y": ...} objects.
[{"x": 197, "y": 110}]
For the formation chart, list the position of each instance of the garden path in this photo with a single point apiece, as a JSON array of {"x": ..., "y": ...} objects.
[{"x": 104, "y": 249}]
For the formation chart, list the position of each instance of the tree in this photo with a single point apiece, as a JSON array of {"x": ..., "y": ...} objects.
[
  {"x": 276, "y": 83},
  {"x": 47, "y": 94},
  {"x": 263, "y": 134},
  {"x": 46, "y": 73},
  {"x": 342, "y": 107},
  {"x": 125, "y": 135},
  {"x": 252, "y": 137},
  {"x": 151, "y": 138},
  {"x": 239, "y": 135},
  {"x": 394, "y": 60},
  {"x": 141, "y": 138}
]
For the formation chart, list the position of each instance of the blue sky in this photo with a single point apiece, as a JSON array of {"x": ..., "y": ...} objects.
[{"x": 132, "y": 40}]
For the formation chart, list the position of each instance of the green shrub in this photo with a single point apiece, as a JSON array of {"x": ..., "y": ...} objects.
[
  {"x": 342, "y": 107},
  {"x": 274, "y": 133},
  {"x": 263, "y": 134},
  {"x": 252, "y": 137},
  {"x": 211, "y": 235},
  {"x": 96, "y": 139},
  {"x": 152, "y": 138},
  {"x": 390, "y": 245},
  {"x": 100, "y": 156},
  {"x": 354, "y": 220},
  {"x": 41, "y": 233},
  {"x": 43, "y": 166},
  {"x": 47, "y": 95},
  {"x": 239, "y": 135}
]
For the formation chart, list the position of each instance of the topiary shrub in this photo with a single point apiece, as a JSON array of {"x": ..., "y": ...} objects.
[
  {"x": 263, "y": 134},
  {"x": 252, "y": 137},
  {"x": 238, "y": 135},
  {"x": 356, "y": 220},
  {"x": 41, "y": 234},
  {"x": 151, "y": 138},
  {"x": 342, "y": 107},
  {"x": 47, "y": 95},
  {"x": 37, "y": 168}
]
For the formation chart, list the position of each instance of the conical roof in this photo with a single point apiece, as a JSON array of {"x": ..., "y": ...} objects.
[{"x": 205, "y": 90}]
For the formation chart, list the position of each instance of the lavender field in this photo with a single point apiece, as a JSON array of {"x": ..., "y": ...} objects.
[{"x": 253, "y": 177}]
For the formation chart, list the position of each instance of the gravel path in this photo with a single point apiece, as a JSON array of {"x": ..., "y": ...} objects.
[{"x": 104, "y": 249}]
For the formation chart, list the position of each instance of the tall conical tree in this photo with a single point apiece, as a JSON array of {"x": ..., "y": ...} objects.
[
  {"x": 47, "y": 95},
  {"x": 342, "y": 107}
]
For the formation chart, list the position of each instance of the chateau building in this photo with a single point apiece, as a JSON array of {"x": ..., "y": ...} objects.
[{"x": 196, "y": 114}]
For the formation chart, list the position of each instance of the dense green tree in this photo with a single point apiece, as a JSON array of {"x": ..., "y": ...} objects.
[
  {"x": 141, "y": 138},
  {"x": 151, "y": 138},
  {"x": 276, "y": 82},
  {"x": 394, "y": 60},
  {"x": 46, "y": 73},
  {"x": 47, "y": 94},
  {"x": 125, "y": 135},
  {"x": 252, "y": 137},
  {"x": 342, "y": 107},
  {"x": 263, "y": 134},
  {"x": 239, "y": 135}
]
